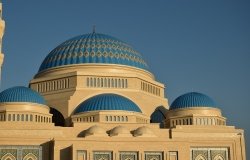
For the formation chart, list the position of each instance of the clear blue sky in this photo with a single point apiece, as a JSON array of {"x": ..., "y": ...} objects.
[{"x": 193, "y": 45}]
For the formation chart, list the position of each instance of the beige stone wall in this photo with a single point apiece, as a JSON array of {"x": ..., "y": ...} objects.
[
  {"x": 64, "y": 142},
  {"x": 194, "y": 116},
  {"x": 66, "y": 87}
]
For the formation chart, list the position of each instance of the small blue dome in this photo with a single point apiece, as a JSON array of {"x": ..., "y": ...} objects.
[
  {"x": 21, "y": 94},
  {"x": 107, "y": 102},
  {"x": 192, "y": 99},
  {"x": 93, "y": 48}
]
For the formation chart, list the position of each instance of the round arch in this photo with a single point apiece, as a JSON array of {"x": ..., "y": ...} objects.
[
  {"x": 158, "y": 116},
  {"x": 57, "y": 117}
]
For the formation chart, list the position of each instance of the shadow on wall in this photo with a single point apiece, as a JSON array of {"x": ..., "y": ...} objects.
[
  {"x": 57, "y": 117},
  {"x": 158, "y": 116},
  {"x": 48, "y": 150},
  {"x": 66, "y": 153}
]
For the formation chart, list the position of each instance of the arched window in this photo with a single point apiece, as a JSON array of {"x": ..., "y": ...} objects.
[
  {"x": 101, "y": 82},
  {"x": 98, "y": 82},
  {"x": 91, "y": 82},
  {"x": 107, "y": 118},
  {"x": 115, "y": 83},
  {"x": 59, "y": 85},
  {"x": 94, "y": 82},
  {"x": 54, "y": 85},
  {"x": 87, "y": 82},
  {"x": 122, "y": 118},
  {"x": 119, "y": 83},
  {"x": 123, "y": 85},
  {"x": 112, "y": 82},
  {"x": 126, "y": 83},
  {"x": 108, "y": 83},
  {"x": 105, "y": 82}
]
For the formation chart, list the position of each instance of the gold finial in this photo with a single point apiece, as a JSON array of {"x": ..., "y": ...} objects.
[{"x": 93, "y": 28}]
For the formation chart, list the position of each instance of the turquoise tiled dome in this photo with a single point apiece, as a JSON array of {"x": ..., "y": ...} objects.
[
  {"x": 107, "y": 102},
  {"x": 21, "y": 94},
  {"x": 192, "y": 99},
  {"x": 93, "y": 48}
]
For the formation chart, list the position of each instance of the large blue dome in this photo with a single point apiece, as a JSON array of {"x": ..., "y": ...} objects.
[
  {"x": 192, "y": 99},
  {"x": 21, "y": 94},
  {"x": 107, "y": 102},
  {"x": 93, "y": 48}
]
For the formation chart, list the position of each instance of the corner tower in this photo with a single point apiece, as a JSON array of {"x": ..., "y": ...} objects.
[{"x": 2, "y": 26}]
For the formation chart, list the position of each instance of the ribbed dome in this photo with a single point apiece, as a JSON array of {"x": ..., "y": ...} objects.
[
  {"x": 107, "y": 102},
  {"x": 192, "y": 99},
  {"x": 93, "y": 48},
  {"x": 21, "y": 94}
]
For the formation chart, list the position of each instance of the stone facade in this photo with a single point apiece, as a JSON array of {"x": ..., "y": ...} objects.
[{"x": 54, "y": 131}]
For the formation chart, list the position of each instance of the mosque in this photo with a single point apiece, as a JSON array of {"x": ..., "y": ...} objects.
[{"x": 94, "y": 98}]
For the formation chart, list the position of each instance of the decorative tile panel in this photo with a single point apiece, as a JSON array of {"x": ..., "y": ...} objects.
[
  {"x": 198, "y": 153},
  {"x": 21, "y": 152},
  {"x": 103, "y": 156},
  {"x": 153, "y": 155},
  {"x": 128, "y": 155},
  {"x": 3, "y": 152}
]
